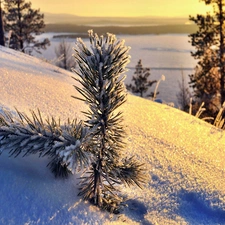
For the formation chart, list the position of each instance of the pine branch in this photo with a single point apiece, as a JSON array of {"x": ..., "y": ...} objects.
[
  {"x": 131, "y": 172},
  {"x": 22, "y": 135}
]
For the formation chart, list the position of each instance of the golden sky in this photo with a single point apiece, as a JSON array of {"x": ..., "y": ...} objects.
[{"x": 124, "y": 8}]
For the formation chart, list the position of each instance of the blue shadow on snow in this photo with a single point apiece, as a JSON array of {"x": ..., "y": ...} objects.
[{"x": 194, "y": 207}]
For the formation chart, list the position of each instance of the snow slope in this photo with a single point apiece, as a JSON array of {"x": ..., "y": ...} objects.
[{"x": 184, "y": 158}]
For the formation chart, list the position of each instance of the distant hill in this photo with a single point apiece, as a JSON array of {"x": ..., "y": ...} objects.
[{"x": 107, "y": 21}]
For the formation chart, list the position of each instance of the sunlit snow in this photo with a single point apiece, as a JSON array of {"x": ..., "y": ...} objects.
[{"x": 184, "y": 158}]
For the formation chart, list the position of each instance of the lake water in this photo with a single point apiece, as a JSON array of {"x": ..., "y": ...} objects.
[{"x": 167, "y": 55}]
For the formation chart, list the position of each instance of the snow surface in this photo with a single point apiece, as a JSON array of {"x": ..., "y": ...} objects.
[{"x": 184, "y": 158}]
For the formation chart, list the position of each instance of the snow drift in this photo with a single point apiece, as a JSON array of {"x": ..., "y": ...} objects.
[{"x": 184, "y": 158}]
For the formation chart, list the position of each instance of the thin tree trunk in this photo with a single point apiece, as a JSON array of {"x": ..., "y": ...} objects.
[
  {"x": 65, "y": 55},
  {"x": 97, "y": 183},
  {"x": 221, "y": 59},
  {"x": 20, "y": 28},
  {"x": 2, "y": 38},
  {"x": 98, "y": 168}
]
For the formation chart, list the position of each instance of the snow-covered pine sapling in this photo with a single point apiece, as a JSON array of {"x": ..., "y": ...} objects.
[{"x": 99, "y": 70}]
